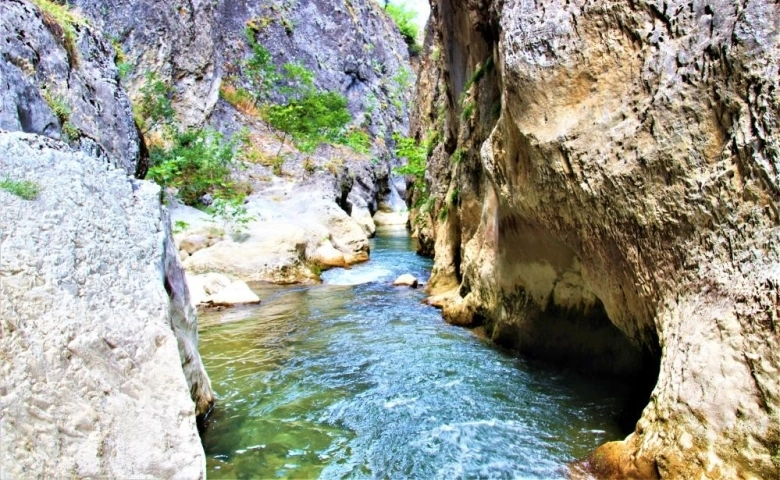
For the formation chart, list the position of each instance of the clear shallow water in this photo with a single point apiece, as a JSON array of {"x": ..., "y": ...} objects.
[{"x": 359, "y": 380}]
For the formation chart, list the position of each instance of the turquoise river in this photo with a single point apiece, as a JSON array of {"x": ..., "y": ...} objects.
[{"x": 356, "y": 378}]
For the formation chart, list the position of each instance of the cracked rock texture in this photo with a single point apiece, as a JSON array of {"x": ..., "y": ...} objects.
[
  {"x": 609, "y": 177},
  {"x": 64, "y": 91},
  {"x": 98, "y": 341}
]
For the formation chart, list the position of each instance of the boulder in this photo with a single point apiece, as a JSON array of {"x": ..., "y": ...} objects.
[
  {"x": 218, "y": 290},
  {"x": 101, "y": 377},
  {"x": 362, "y": 216},
  {"x": 327, "y": 256},
  {"x": 273, "y": 252},
  {"x": 236, "y": 293},
  {"x": 406, "y": 280},
  {"x": 195, "y": 242},
  {"x": 391, "y": 218}
]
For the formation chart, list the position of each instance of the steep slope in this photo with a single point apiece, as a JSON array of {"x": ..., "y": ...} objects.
[
  {"x": 351, "y": 47},
  {"x": 603, "y": 190},
  {"x": 58, "y": 79}
]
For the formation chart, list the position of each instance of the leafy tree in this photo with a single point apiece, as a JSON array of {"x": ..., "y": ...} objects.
[
  {"x": 260, "y": 68},
  {"x": 232, "y": 214}
]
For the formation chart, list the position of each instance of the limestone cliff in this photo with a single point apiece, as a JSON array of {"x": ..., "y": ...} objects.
[
  {"x": 604, "y": 189},
  {"x": 93, "y": 317},
  {"x": 100, "y": 374},
  {"x": 351, "y": 46},
  {"x": 59, "y": 79}
]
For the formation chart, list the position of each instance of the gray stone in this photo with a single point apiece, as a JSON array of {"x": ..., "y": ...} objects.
[
  {"x": 36, "y": 64},
  {"x": 98, "y": 338}
]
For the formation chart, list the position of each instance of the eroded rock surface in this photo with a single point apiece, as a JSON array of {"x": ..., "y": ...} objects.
[
  {"x": 294, "y": 231},
  {"x": 609, "y": 177},
  {"x": 62, "y": 88},
  {"x": 100, "y": 374}
]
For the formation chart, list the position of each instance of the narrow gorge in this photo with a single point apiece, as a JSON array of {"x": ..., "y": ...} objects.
[{"x": 589, "y": 187}]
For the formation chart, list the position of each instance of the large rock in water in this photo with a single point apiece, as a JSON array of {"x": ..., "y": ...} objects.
[
  {"x": 98, "y": 340},
  {"x": 611, "y": 179}
]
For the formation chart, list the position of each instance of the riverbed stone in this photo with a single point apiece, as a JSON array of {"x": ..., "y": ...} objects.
[
  {"x": 235, "y": 293},
  {"x": 406, "y": 280}
]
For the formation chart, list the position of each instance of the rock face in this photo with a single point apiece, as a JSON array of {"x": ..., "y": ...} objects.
[
  {"x": 64, "y": 88},
  {"x": 98, "y": 339},
  {"x": 295, "y": 230},
  {"x": 198, "y": 46},
  {"x": 609, "y": 177}
]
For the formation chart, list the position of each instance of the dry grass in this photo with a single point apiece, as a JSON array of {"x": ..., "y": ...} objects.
[
  {"x": 61, "y": 22},
  {"x": 241, "y": 99}
]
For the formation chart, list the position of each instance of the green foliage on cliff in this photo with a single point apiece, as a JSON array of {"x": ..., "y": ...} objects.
[
  {"x": 260, "y": 68},
  {"x": 153, "y": 108},
  {"x": 61, "y": 21},
  {"x": 300, "y": 111},
  {"x": 313, "y": 118},
  {"x": 403, "y": 16},
  {"x": 416, "y": 155},
  {"x": 59, "y": 105},
  {"x": 197, "y": 162}
]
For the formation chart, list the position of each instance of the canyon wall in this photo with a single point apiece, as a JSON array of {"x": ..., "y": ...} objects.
[
  {"x": 602, "y": 189},
  {"x": 62, "y": 82},
  {"x": 97, "y": 337},
  {"x": 198, "y": 47},
  {"x": 101, "y": 375}
]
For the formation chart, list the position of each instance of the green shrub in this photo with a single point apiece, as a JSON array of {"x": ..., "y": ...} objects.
[
  {"x": 457, "y": 156},
  {"x": 59, "y": 105},
  {"x": 23, "y": 189},
  {"x": 403, "y": 80},
  {"x": 312, "y": 119},
  {"x": 123, "y": 67},
  {"x": 444, "y": 213},
  {"x": 260, "y": 68},
  {"x": 403, "y": 17},
  {"x": 479, "y": 73},
  {"x": 198, "y": 162},
  {"x": 180, "y": 226},
  {"x": 306, "y": 115},
  {"x": 416, "y": 156},
  {"x": 154, "y": 107},
  {"x": 454, "y": 197},
  {"x": 232, "y": 215},
  {"x": 356, "y": 139},
  {"x": 468, "y": 111}
]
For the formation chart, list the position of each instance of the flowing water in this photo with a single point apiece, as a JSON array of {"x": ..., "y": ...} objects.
[{"x": 357, "y": 379}]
